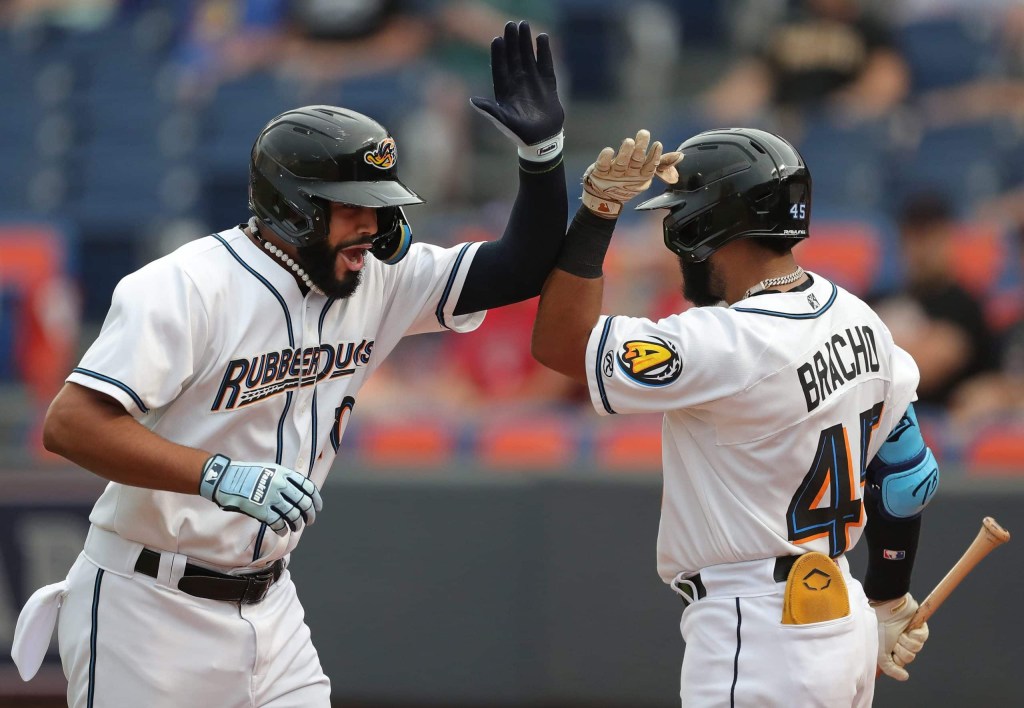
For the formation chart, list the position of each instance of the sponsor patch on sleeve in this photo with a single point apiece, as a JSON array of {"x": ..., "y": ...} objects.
[{"x": 651, "y": 362}]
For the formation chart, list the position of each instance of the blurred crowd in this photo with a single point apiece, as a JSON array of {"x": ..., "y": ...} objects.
[{"x": 129, "y": 121}]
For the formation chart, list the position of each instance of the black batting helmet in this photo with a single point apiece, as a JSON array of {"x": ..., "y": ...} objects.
[
  {"x": 734, "y": 183},
  {"x": 313, "y": 155}
]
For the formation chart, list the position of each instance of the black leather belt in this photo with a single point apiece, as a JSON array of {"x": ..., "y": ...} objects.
[
  {"x": 783, "y": 564},
  {"x": 211, "y": 585}
]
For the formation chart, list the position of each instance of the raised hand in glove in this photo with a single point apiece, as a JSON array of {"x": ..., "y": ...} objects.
[
  {"x": 615, "y": 178},
  {"x": 279, "y": 497},
  {"x": 897, "y": 645},
  {"x": 525, "y": 106}
]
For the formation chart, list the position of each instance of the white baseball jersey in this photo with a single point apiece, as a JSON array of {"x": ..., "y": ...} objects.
[
  {"x": 215, "y": 347},
  {"x": 773, "y": 407}
]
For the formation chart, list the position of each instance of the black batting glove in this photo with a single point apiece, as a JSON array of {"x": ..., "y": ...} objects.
[{"x": 525, "y": 106}]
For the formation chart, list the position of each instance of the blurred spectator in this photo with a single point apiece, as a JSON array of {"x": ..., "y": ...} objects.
[
  {"x": 225, "y": 39},
  {"x": 972, "y": 62},
  {"x": 995, "y": 396},
  {"x": 440, "y": 132},
  {"x": 306, "y": 41},
  {"x": 332, "y": 41},
  {"x": 39, "y": 324},
  {"x": 1008, "y": 207},
  {"x": 489, "y": 371},
  {"x": 829, "y": 54},
  {"x": 493, "y": 367},
  {"x": 466, "y": 28},
  {"x": 64, "y": 14},
  {"x": 1000, "y": 394},
  {"x": 935, "y": 319},
  {"x": 39, "y": 308}
]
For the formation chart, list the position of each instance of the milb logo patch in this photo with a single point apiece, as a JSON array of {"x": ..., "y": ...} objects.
[{"x": 651, "y": 363}]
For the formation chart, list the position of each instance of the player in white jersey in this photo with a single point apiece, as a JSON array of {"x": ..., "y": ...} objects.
[
  {"x": 788, "y": 428},
  {"x": 252, "y": 344}
]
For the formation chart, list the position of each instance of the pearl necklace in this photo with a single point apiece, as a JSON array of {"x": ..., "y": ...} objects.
[
  {"x": 771, "y": 282},
  {"x": 283, "y": 257}
]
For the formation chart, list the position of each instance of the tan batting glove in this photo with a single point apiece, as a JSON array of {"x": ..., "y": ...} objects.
[
  {"x": 898, "y": 646},
  {"x": 615, "y": 178}
]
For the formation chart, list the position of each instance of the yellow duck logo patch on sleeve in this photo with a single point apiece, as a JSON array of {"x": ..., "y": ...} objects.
[{"x": 653, "y": 362}]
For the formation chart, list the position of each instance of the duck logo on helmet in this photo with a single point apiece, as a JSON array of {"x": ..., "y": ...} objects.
[{"x": 384, "y": 156}]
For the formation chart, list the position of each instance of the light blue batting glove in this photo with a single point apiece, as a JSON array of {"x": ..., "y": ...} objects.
[{"x": 279, "y": 497}]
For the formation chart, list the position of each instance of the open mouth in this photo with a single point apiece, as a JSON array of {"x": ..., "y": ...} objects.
[{"x": 354, "y": 257}]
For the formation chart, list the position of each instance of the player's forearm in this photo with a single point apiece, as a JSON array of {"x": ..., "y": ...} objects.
[
  {"x": 96, "y": 433},
  {"x": 570, "y": 303},
  {"x": 901, "y": 480},
  {"x": 514, "y": 267},
  {"x": 568, "y": 310},
  {"x": 525, "y": 108},
  {"x": 892, "y": 547}
]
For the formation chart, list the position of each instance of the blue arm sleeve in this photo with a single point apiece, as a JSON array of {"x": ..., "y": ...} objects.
[
  {"x": 904, "y": 471},
  {"x": 902, "y": 479}
]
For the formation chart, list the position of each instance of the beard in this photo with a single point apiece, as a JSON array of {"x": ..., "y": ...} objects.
[
  {"x": 701, "y": 283},
  {"x": 318, "y": 260}
]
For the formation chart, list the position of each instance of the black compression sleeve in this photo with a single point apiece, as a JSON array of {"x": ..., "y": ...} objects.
[
  {"x": 585, "y": 245},
  {"x": 515, "y": 267},
  {"x": 892, "y": 546}
]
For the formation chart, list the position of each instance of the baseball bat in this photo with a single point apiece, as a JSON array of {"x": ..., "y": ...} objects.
[{"x": 990, "y": 536}]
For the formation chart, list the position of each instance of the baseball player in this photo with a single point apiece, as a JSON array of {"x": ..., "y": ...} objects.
[
  {"x": 788, "y": 425},
  {"x": 217, "y": 393}
]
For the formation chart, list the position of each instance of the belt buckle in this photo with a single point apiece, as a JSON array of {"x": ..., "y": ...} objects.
[{"x": 256, "y": 587}]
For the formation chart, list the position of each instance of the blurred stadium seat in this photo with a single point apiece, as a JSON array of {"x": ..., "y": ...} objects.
[
  {"x": 19, "y": 69},
  {"x": 629, "y": 445},
  {"x": 987, "y": 262},
  {"x": 543, "y": 442},
  {"x": 590, "y": 39},
  {"x": 848, "y": 164},
  {"x": 704, "y": 22},
  {"x": 420, "y": 443},
  {"x": 963, "y": 162},
  {"x": 235, "y": 115},
  {"x": 386, "y": 96},
  {"x": 985, "y": 257},
  {"x": 997, "y": 451},
  {"x": 946, "y": 51}
]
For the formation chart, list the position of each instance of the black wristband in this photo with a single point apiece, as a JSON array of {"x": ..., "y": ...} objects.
[
  {"x": 892, "y": 546},
  {"x": 585, "y": 245}
]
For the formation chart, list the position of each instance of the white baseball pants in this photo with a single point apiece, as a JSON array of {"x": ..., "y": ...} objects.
[
  {"x": 130, "y": 640},
  {"x": 740, "y": 655}
]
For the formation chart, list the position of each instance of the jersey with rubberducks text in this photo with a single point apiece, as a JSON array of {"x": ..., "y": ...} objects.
[{"x": 215, "y": 347}]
